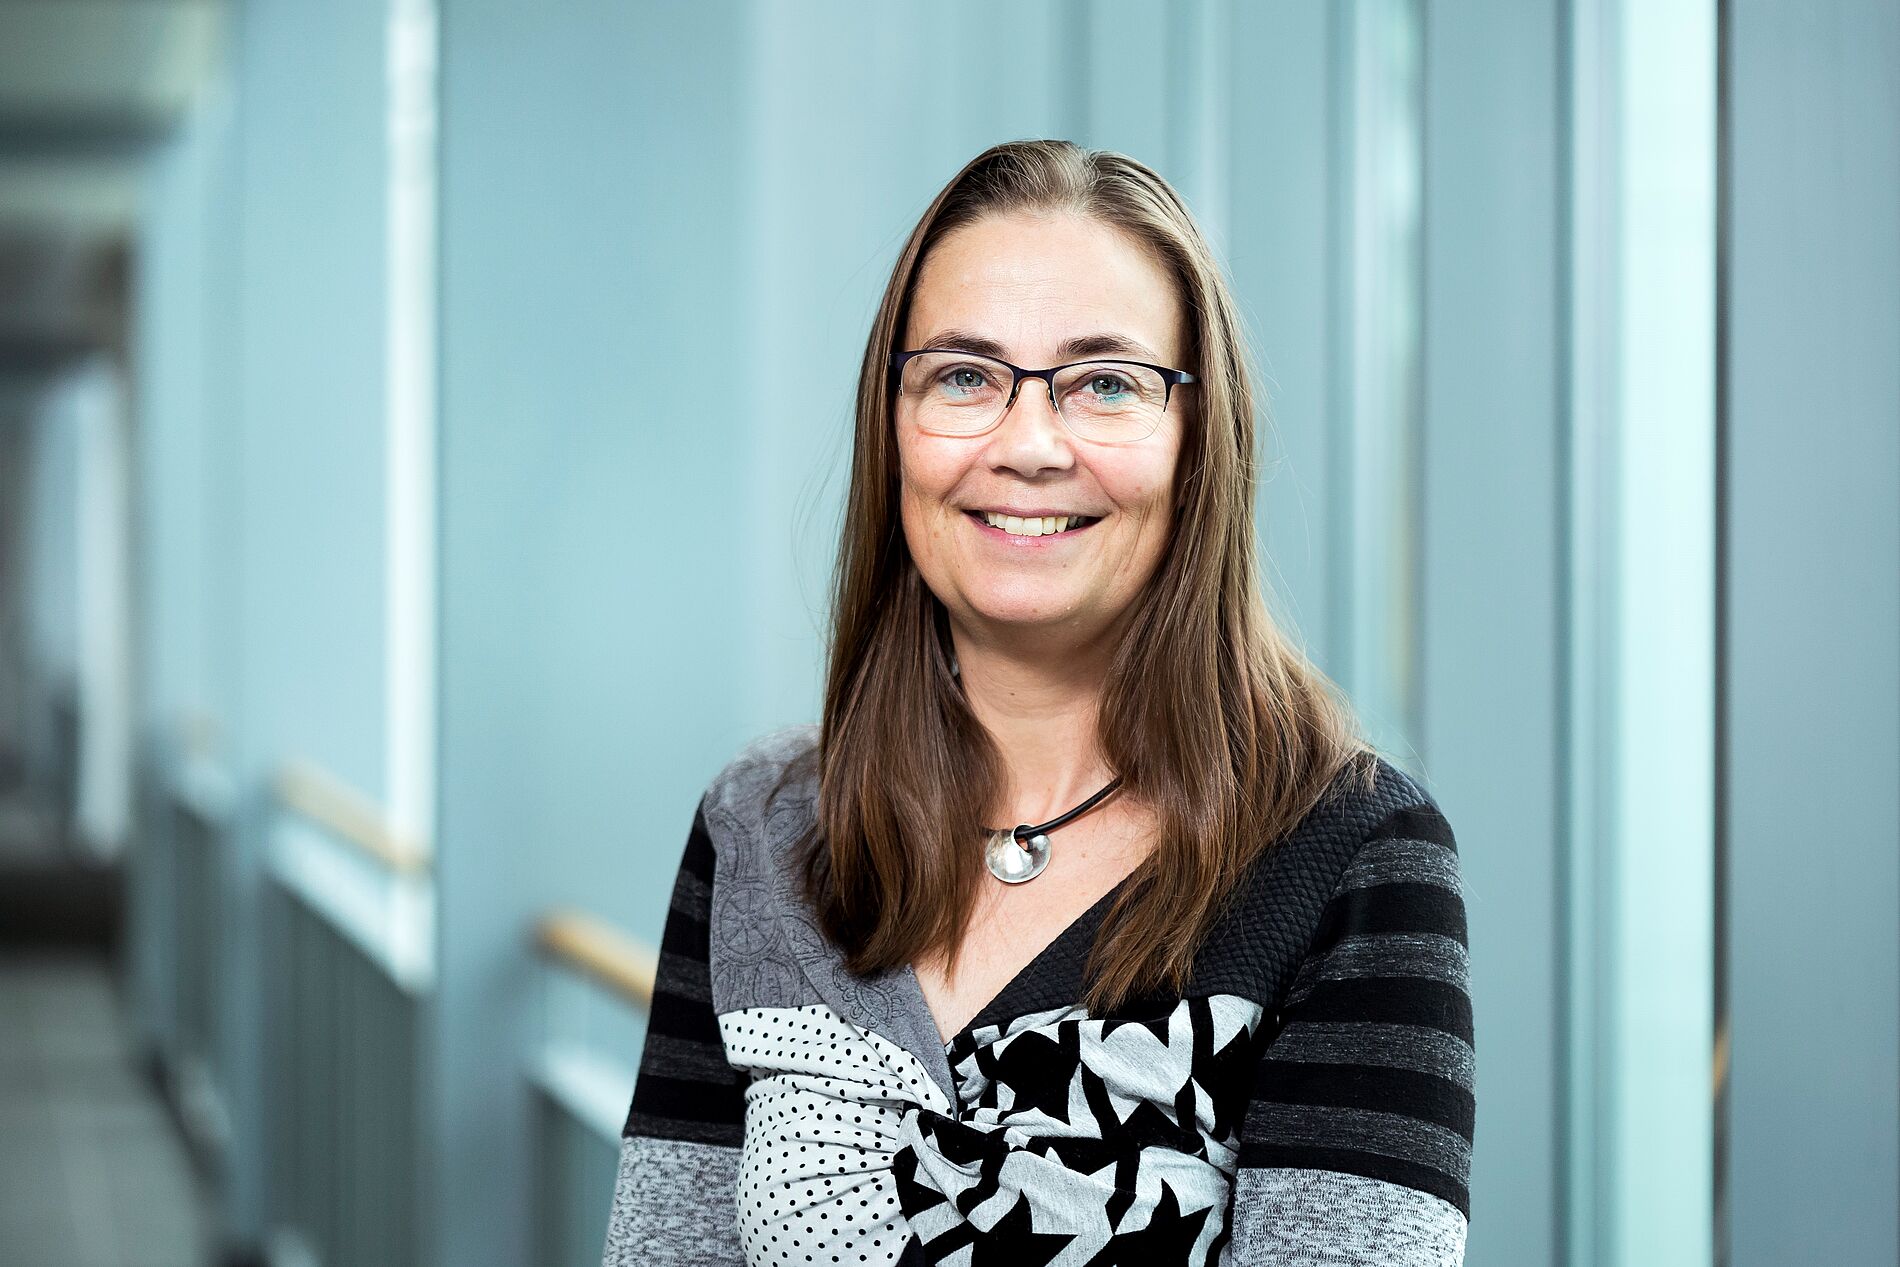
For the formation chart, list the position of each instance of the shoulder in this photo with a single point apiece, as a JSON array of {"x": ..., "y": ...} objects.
[
  {"x": 1405, "y": 837},
  {"x": 1355, "y": 805},
  {"x": 777, "y": 764},
  {"x": 1362, "y": 804},
  {"x": 1271, "y": 925}
]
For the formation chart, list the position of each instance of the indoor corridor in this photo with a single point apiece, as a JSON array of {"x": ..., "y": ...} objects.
[
  {"x": 93, "y": 1171},
  {"x": 427, "y": 441}
]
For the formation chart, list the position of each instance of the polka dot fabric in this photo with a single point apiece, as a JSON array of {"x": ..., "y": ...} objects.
[{"x": 825, "y": 1113}]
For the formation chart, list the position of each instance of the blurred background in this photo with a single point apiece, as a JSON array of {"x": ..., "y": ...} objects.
[{"x": 422, "y": 429}]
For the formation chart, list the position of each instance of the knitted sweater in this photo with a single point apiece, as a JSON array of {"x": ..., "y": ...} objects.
[{"x": 1308, "y": 1098}]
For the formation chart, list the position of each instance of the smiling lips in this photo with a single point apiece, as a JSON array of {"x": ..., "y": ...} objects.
[{"x": 1029, "y": 527}]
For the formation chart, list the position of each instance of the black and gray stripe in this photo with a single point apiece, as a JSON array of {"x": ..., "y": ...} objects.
[
  {"x": 686, "y": 1088},
  {"x": 1368, "y": 1073}
]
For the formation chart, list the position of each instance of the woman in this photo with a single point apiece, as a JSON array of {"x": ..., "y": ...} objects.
[{"x": 1208, "y": 1002}]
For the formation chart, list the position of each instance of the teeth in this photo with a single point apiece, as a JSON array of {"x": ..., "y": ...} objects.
[{"x": 1037, "y": 526}]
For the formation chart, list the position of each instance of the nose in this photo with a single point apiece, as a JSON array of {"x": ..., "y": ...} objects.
[{"x": 1031, "y": 436}]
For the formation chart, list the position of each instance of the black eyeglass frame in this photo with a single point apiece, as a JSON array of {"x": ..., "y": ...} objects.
[{"x": 1170, "y": 378}]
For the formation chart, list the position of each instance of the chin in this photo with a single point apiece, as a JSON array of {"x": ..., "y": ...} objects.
[{"x": 1029, "y": 610}]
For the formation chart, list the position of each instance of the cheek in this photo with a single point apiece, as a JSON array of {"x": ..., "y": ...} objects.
[
  {"x": 923, "y": 481},
  {"x": 927, "y": 474},
  {"x": 1142, "y": 487}
]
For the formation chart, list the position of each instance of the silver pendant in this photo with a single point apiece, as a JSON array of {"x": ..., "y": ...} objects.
[{"x": 1013, "y": 861}]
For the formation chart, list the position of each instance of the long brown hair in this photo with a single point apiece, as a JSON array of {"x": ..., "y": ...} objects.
[{"x": 1209, "y": 713}]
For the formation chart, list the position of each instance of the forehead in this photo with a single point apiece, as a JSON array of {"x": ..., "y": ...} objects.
[{"x": 1030, "y": 280}]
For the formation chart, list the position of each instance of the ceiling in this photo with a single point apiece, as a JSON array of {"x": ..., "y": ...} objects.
[{"x": 86, "y": 88}]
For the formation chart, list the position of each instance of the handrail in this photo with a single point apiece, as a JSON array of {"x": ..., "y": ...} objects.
[
  {"x": 200, "y": 782},
  {"x": 199, "y": 733},
  {"x": 574, "y": 939},
  {"x": 347, "y": 814},
  {"x": 1721, "y": 1060}
]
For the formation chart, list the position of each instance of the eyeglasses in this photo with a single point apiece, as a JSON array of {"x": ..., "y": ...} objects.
[{"x": 956, "y": 393}]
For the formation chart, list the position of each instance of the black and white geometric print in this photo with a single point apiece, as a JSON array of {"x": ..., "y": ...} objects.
[
  {"x": 1073, "y": 1140},
  {"x": 1086, "y": 1140}
]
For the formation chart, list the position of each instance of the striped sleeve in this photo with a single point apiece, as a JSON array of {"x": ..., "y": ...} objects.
[
  {"x": 675, "y": 1196},
  {"x": 1356, "y": 1148}
]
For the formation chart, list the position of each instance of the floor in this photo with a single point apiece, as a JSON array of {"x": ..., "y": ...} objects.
[{"x": 92, "y": 1173}]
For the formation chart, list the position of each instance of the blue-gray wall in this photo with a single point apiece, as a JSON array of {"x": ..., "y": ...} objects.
[
  {"x": 597, "y": 426},
  {"x": 1811, "y": 518},
  {"x": 1492, "y": 620}
]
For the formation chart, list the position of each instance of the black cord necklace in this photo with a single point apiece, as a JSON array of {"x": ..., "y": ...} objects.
[{"x": 1022, "y": 852}]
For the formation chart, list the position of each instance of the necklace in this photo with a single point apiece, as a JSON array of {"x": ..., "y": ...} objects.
[{"x": 1022, "y": 852}]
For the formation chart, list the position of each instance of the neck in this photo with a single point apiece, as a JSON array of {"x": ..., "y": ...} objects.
[{"x": 1040, "y": 708}]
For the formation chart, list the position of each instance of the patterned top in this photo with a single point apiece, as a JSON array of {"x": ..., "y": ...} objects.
[{"x": 1308, "y": 1098}]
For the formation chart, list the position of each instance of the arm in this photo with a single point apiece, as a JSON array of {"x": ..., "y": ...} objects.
[
  {"x": 1357, "y": 1146},
  {"x": 675, "y": 1198}
]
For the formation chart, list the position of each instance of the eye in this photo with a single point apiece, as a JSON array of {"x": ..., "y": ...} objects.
[
  {"x": 1103, "y": 383},
  {"x": 963, "y": 380}
]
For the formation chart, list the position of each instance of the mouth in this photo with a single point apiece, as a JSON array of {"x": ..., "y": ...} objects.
[{"x": 1032, "y": 527}]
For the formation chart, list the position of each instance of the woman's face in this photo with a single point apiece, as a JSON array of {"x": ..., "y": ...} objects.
[{"x": 1037, "y": 285}]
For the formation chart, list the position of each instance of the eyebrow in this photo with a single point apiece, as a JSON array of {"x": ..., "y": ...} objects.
[{"x": 1081, "y": 347}]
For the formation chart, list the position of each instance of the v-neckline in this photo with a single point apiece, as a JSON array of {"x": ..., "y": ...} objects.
[{"x": 1091, "y": 916}]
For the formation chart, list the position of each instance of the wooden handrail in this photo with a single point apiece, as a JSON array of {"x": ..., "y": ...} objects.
[
  {"x": 595, "y": 948},
  {"x": 348, "y": 815},
  {"x": 201, "y": 783},
  {"x": 199, "y": 733},
  {"x": 1721, "y": 1060}
]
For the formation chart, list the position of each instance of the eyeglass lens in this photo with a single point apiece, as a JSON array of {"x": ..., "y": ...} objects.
[{"x": 960, "y": 393}]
